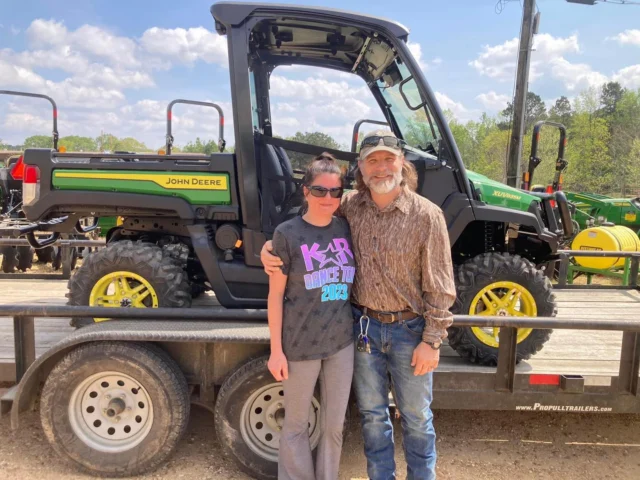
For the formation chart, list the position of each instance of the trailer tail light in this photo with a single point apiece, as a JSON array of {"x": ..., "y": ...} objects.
[
  {"x": 17, "y": 170},
  {"x": 540, "y": 379},
  {"x": 30, "y": 185}
]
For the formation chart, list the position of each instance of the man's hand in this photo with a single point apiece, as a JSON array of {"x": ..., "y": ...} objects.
[
  {"x": 425, "y": 359},
  {"x": 271, "y": 262},
  {"x": 278, "y": 366}
]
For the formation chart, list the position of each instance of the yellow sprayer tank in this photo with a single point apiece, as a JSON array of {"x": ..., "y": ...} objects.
[{"x": 605, "y": 239}]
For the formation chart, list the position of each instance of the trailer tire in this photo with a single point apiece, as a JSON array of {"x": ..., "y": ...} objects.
[
  {"x": 167, "y": 282},
  {"x": 500, "y": 269},
  {"x": 140, "y": 377},
  {"x": 9, "y": 259},
  {"x": 248, "y": 390}
]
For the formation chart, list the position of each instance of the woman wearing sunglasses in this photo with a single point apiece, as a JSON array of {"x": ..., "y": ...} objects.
[{"x": 310, "y": 321}]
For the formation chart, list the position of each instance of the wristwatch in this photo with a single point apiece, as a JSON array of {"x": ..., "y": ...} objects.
[{"x": 434, "y": 345}]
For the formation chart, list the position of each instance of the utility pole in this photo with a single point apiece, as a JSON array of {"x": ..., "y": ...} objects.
[{"x": 520, "y": 99}]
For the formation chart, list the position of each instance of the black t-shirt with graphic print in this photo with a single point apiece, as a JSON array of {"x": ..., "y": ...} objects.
[{"x": 319, "y": 263}]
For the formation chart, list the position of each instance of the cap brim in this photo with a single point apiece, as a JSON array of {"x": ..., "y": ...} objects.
[{"x": 365, "y": 152}]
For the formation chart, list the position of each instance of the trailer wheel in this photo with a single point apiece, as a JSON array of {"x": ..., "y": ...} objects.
[
  {"x": 249, "y": 414},
  {"x": 128, "y": 274},
  {"x": 25, "y": 258},
  {"x": 9, "y": 259},
  {"x": 500, "y": 284},
  {"x": 115, "y": 409}
]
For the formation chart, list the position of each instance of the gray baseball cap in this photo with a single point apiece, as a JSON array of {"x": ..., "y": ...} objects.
[{"x": 388, "y": 142}]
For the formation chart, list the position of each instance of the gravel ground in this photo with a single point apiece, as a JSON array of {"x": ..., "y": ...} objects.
[{"x": 478, "y": 445}]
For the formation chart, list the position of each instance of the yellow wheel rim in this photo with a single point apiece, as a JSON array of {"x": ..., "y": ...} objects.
[
  {"x": 123, "y": 289},
  {"x": 508, "y": 299}
]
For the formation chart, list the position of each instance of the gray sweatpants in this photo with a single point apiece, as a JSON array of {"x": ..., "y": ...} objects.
[{"x": 295, "y": 461}]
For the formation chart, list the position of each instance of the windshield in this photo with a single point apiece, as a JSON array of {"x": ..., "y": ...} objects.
[{"x": 416, "y": 124}]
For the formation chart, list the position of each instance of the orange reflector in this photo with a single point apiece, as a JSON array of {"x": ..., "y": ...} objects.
[
  {"x": 526, "y": 176},
  {"x": 162, "y": 152},
  {"x": 238, "y": 244},
  {"x": 540, "y": 379},
  {"x": 17, "y": 170},
  {"x": 62, "y": 149}
]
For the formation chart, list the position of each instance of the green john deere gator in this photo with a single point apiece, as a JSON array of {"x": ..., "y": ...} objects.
[{"x": 194, "y": 223}]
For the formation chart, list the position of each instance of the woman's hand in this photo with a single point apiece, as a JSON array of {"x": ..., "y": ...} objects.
[
  {"x": 271, "y": 262},
  {"x": 278, "y": 366}
]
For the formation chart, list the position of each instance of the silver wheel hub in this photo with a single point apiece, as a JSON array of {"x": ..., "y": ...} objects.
[
  {"x": 262, "y": 420},
  {"x": 110, "y": 412}
]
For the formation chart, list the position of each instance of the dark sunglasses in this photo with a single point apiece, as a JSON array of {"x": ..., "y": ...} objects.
[
  {"x": 320, "y": 192},
  {"x": 374, "y": 141}
]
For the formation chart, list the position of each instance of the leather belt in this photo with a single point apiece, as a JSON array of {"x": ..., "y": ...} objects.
[{"x": 388, "y": 317}]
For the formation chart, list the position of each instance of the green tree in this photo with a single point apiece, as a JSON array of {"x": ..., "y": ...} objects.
[
  {"x": 107, "y": 142},
  {"x": 561, "y": 111},
  {"x": 633, "y": 170},
  {"x": 38, "y": 141},
  {"x": 493, "y": 154},
  {"x": 612, "y": 93},
  {"x": 74, "y": 143},
  {"x": 130, "y": 144},
  {"x": 299, "y": 160},
  {"x": 199, "y": 146},
  {"x": 535, "y": 110},
  {"x": 590, "y": 167},
  {"x": 624, "y": 127}
]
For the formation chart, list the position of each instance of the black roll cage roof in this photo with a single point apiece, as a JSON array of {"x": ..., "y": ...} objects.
[{"x": 238, "y": 20}]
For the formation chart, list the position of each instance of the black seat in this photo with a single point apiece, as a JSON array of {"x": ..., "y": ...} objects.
[{"x": 278, "y": 185}]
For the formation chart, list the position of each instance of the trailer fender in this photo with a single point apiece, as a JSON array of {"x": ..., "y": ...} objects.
[{"x": 131, "y": 331}]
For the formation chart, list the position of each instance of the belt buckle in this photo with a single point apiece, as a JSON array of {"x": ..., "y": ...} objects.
[{"x": 390, "y": 314}]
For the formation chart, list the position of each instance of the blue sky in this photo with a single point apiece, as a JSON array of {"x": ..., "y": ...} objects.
[{"x": 113, "y": 66}]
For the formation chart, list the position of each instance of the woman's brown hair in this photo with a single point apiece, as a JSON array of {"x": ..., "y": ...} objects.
[{"x": 323, "y": 163}]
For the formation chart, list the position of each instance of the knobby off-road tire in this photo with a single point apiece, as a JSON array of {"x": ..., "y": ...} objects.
[
  {"x": 45, "y": 255},
  {"x": 9, "y": 259},
  {"x": 115, "y": 408},
  {"x": 25, "y": 258},
  {"x": 487, "y": 269},
  {"x": 245, "y": 430},
  {"x": 168, "y": 281}
]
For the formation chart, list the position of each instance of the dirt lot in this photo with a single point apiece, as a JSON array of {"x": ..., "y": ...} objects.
[{"x": 486, "y": 445}]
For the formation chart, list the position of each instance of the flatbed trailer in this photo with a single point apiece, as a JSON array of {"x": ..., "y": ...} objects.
[{"x": 590, "y": 366}]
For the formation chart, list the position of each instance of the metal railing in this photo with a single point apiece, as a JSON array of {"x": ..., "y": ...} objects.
[
  {"x": 66, "y": 246},
  {"x": 565, "y": 259},
  {"x": 23, "y": 321}
]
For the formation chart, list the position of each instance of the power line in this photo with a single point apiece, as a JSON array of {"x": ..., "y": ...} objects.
[{"x": 501, "y": 4}]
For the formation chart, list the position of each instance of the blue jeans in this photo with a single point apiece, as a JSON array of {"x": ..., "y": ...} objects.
[{"x": 392, "y": 347}]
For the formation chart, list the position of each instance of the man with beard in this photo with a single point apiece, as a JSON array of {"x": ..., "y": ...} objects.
[{"x": 401, "y": 298}]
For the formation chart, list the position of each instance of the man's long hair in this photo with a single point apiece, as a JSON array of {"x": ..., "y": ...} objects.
[{"x": 409, "y": 177}]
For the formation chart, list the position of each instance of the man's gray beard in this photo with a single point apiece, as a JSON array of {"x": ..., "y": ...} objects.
[{"x": 387, "y": 186}]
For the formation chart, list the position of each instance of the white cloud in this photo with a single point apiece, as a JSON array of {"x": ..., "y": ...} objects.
[
  {"x": 457, "y": 108},
  {"x": 628, "y": 37},
  {"x": 416, "y": 51},
  {"x": 499, "y": 61},
  {"x": 493, "y": 101},
  {"x": 13, "y": 76},
  {"x": 185, "y": 45},
  {"x": 96, "y": 41},
  {"x": 20, "y": 121},
  {"x": 14, "y": 30},
  {"x": 576, "y": 76},
  {"x": 629, "y": 76},
  {"x": 436, "y": 61},
  {"x": 314, "y": 88}
]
